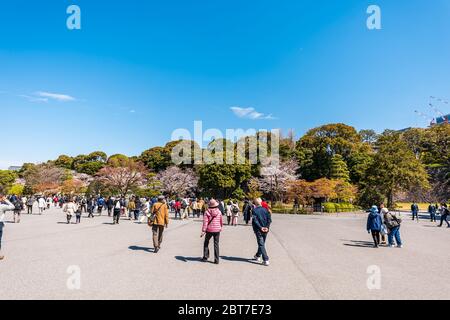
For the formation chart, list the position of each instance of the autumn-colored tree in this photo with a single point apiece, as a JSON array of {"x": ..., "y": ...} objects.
[
  {"x": 45, "y": 178},
  {"x": 73, "y": 187}
]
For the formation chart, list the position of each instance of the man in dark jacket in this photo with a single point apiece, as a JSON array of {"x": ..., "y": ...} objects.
[
  {"x": 444, "y": 215},
  {"x": 415, "y": 211},
  {"x": 261, "y": 225}
]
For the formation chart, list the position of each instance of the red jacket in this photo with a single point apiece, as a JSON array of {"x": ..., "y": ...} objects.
[{"x": 212, "y": 220}]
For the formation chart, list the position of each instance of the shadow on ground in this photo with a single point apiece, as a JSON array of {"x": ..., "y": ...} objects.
[{"x": 138, "y": 248}]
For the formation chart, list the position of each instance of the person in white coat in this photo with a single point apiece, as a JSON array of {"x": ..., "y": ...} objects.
[
  {"x": 5, "y": 205},
  {"x": 70, "y": 208},
  {"x": 42, "y": 204}
]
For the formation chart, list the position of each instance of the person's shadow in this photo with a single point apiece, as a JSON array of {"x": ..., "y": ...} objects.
[
  {"x": 188, "y": 259},
  {"x": 358, "y": 243},
  {"x": 138, "y": 248},
  {"x": 238, "y": 259}
]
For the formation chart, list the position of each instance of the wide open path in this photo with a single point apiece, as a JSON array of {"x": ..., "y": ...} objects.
[{"x": 312, "y": 257}]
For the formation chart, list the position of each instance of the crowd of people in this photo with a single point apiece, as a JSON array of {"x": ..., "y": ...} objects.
[
  {"x": 381, "y": 222},
  {"x": 155, "y": 212}
]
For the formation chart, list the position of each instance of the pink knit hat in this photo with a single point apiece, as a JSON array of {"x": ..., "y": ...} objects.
[{"x": 213, "y": 203}]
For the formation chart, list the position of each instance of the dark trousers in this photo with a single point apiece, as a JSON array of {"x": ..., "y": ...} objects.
[
  {"x": 99, "y": 209},
  {"x": 261, "y": 240},
  {"x": 208, "y": 237},
  {"x": 78, "y": 218},
  {"x": 444, "y": 218},
  {"x": 91, "y": 214},
  {"x": 376, "y": 237},
  {"x": 83, "y": 208},
  {"x": 228, "y": 220},
  {"x": 157, "y": 236},
  {"x": 109, "y": 211},
  {"x": 69, "y": 217},
  {"x": 433, "y": 217},
  {"x": 116, "y": 216},
  {"x": 1, "y": 233},
  {"x": 415, "y": 214},
  {"x": 136, "y": 214},
  {"x": 177, "y": 213},
  {"x": 30, "y": 209}
]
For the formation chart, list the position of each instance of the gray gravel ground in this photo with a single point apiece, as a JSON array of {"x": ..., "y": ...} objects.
[{"x": 312, "y": 257}]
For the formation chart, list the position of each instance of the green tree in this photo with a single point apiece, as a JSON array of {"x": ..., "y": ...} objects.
[
  {"x": 64, "y": 161},
  {"x": 339, "y": 170},
  {"x": 7, "y": 178},
  {"x": 394, "y": 168}
]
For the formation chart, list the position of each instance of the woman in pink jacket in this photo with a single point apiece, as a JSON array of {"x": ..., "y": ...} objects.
[{"x": 212, "y": 226}]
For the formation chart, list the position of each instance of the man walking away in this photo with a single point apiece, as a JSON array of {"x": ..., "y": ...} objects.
[
  {"x": 393, "y": 223},
  {"x": 30, "y": 203},
  {"x": 5, "y": 205},
  {"x": 444, "y": 215},
  {"x": 158, "y": 220},
  {"x": 415, "y": 211},
  {"x": 261, "y": 225},
  {"x": 117, "y": 210}
]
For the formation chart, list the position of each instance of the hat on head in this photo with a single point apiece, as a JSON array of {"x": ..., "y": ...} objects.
[
  {"x": 213, "y": 203},
  {"x": 161, "y": 198}
]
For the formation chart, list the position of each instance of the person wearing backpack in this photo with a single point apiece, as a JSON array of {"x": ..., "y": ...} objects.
[
  {"x": 159, "y": 220},
  {"x": 415, "y": 211},
  {"x": 116, "y": 211},
  {"x": 392, "y": 223},
  {"x": 18, "y": 207},
  {"x": 374, "y": 223},
  {"x": 30, "y": 203},
  {"x": 444, "y": 215},
  {"x": 212, "y": 226}
]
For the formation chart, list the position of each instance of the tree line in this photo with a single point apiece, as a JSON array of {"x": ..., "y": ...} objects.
[{"x": 333, "y": 162}]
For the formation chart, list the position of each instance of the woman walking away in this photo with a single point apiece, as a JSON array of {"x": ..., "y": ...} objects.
[
  {"x": 392, "y": 223},
  {"x": 18, "y": 207},
  {"x": 41, "y": 204},
  {"x": 212, "y": 226},
  {"x": 70, "y": 208},
  {"x": 78, "y": 214},
  {"x": 374, "y": 223},
  {"x": 247, "y": 210}
]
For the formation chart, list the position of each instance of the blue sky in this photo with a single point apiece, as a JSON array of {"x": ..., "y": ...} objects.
[{"x": 137, "y": 70}]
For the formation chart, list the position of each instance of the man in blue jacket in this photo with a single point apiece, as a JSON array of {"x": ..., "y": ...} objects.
[
  {"x": 415, "y": 211},
  {"x": 261, "y": 226},
  {"x": 374, "y": 223}
]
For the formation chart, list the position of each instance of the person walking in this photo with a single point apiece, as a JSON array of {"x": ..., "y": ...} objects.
[
  {"x": 159, "y": 220},
  {"x": 90, "y": 207},
  {"x": 41, "y": 205},
  {"x": 235, "y": 213},
  {"x": 49, "y": 202},
  {"x": 100, "y": 205},
  {"x": 247, "y": 211},
  {"x": 392, "y": 223},
  {"x": 70, "y": 208},
  {"x": 432, "y": 211},
  {"x": 261, "y": 226},
  {"x": 110, "y": 206},
  {"x": 374, "y": 223},
  {"x": 415, "y": 211},
  {"x": 229, "y": 212},
  {"x": 30, "y": 203},
  {"x": 18, "y": 207},
  {"x": 78, "y": 213},
  {"x": 5, "y": 205},
  {"x": 444, "y": 215},
  {"x": 212, "y": 226},
  {"x": 116, "y": 211},
  {"x": 131, "y": 207},
  {"x": 177, "y": 208}
]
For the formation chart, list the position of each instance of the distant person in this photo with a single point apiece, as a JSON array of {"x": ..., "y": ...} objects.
[
  {"x": 393, "y": 223},
  {"x": 100, "y": 205},
  {"x": 374, "y": 223},
  {"x": 444, "y": 215},
  {"x": 70, "y": 208},
  {"x": 110, "y": 206},
  {"x": 229, "y": 212},
  {"x": 261, "y": 225},
  {"x": 432, "y": 211},
  {"x": 90, "y": 207},
  {"x": 5, "y": 205},
  {"x": 116, "y": 211},
  {"x": 159, "y": 220},
  {"x": 42, "y": 204},
  {"x": 384, "y": 230},
  {"x": 18, "y": 207},
  {"x": 30, "y": 203},
  {"x": 235, "y": 212},
  {"x": 415, "y": 211},
  {"x": 212, "y": 226},
  {"x": 247, "y": 211}
]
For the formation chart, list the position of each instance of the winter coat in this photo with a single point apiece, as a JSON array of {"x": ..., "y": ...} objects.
[
  {"x": 212, "y": 221},
  {"x": 374, "y": 221}
]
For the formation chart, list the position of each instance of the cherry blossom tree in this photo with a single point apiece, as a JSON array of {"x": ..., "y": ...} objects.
[{"x": 175, "y": 181}]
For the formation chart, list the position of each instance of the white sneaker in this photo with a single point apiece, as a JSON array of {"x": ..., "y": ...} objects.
[
  {"x": 391, "y": 246},
  {"x": 400, "y": 246},
  {"x": 266, "y": 263},
  {"x": 258, "y": 259}
]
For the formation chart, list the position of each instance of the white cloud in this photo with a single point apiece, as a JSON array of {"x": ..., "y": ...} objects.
[
  {"x": 34, "y": 99},
  {"x": 250, "y": 113},
  {"x": 55, "y": 96}
]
